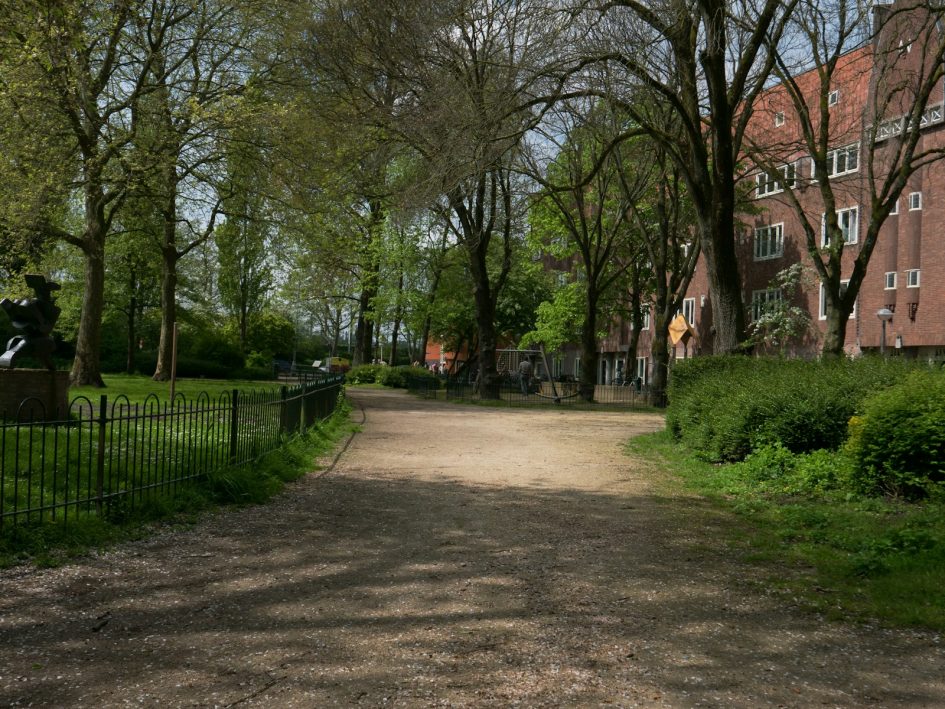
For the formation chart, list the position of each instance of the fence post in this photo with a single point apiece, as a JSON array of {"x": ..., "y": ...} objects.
[
  {"x": 302, "y": 406},
  {"x": 234, "y": 426},
  {"x": 100, "y": 456},
  {"x": 283, "y": 409}
]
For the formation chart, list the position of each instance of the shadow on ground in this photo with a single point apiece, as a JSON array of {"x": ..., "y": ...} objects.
[{"x": 389, "y": 590}]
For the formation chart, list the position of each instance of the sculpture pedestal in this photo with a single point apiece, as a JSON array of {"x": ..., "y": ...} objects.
[{"x": 34, "y": 394}]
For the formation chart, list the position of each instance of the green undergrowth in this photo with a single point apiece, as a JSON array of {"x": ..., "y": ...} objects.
[
  {"x": 50, "y": 544},
  {"x": 840, "y": 554}
]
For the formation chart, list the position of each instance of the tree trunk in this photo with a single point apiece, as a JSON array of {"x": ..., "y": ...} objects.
[
  {"x": 162, "y": 372},
  {"x": 485, "y": 322},
  {"x": 398, "y": 315},
  {"x": 589, "y": 356},
  {"x": 835, "y": 334},
  {"x": 659, "y": 356},
  {"x": 718, "y": 248},
  {"x": 363, "y": 331},
  {"x": 86, "y": 367},
  {"x": 132, "y": 312}
]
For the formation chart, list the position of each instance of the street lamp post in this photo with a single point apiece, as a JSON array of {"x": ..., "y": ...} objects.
[{"x": 884, "y": 315}]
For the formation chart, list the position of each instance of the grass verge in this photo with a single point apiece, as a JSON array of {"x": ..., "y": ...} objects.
[
  {"x": 137, "y": 387},
  {"x": 841, "y": 555},
  {"x": 51, "y": 544}
]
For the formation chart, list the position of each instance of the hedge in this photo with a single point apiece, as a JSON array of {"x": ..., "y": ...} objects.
[
  {"x": 727, "y": 406},
  {"x": 898, "y": 442}
]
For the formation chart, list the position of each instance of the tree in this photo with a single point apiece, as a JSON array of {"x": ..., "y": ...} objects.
[
  {"x": 90, "y": 72},
  {"x": 464, "y": 81},
  {"x": 197, "y": 75},
  {"x": 662, "y": 216},
  {"x": 706, "y": 60},
  {"x": 582, "y": 215}
]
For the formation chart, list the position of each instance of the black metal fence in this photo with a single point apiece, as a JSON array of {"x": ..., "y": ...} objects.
[
  {"x": 105, "y": 456},
  {"x": 510, "y": 391}
]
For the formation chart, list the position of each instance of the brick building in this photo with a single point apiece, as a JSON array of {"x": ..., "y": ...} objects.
[{"x": 906, "y": 271}]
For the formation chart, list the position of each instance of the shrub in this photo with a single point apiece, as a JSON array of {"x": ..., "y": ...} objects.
[
  {"x": 725, "y": 407},
  {"x": 398, "y": 376},
  {"x": 252, "y": 373},
  {"x": 898, "y": 444},
  {"x": 769, "y": 462},
  {"x": 363, "y": 374},
  {"x": 821, "y": 470}
]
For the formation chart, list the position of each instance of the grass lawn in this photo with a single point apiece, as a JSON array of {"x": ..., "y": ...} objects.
[
  {"x": 137, "y": 387},
  {"x": 840, "y": 554}
]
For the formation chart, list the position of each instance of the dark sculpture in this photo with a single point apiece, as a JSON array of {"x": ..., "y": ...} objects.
[{"x": 35, "y": 318}]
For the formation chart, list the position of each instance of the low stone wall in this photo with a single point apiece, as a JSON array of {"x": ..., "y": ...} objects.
[{"x": 33, "y": 394}]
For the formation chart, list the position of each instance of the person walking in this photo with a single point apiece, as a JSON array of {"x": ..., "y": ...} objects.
[{"x": 525, "y": 375}]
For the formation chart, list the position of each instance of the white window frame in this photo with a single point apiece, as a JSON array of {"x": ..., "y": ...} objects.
[
  {"x": 766, "y": 186},
  {"x": 913, "y": 277},
  {"x": 895, "y": 208},
  {"x": 760, "y": 299},
  {"x": 833, "y": 98},
  {"x": 689, "y": 310},
  {"x": 646, "y": 320},
  {"x": 778, "y": 119},
  {"x": 769, "y": 242},
  {"x": 852, "y": 233},
  {"x": 843, "y": 156},
  {"x": 642, "y": 369},
  {"x": 822, "y": 311},
  {"x": 890, "y": 280},
  {"x": 577, "y": 368},
  {"x": 915, "y": 201}
]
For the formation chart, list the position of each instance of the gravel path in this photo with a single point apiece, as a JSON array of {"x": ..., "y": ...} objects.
[{"x": 454, "y": 556}]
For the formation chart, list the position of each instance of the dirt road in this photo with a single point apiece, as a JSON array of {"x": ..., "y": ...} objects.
[{"x": 454, "y": 556}]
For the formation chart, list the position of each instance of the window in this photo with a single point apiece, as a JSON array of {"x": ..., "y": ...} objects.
[
  {"x": 890, "y": 281},
  {"x": 766, "y": 184},
  {"x": 689, "y": 310},
  {"x": 912, "y": 278},
  {"x": 642, "y": 370},
  {"x": 646, "y": 320},
  {"x": 915, "y": 201},
  {"x": 891, "y": 127},
  {"x": 833, "y": 98},
  {"x": 842, "y": 161},
  {"x": 577, "y": 368},
  {"x": 895, "y": 208},
  {"x": 848, "y": 221},
  {"x": 931, "y": 115},
  {"x": 823, "y": 300},
  {"x": 895, "y": 126},
  {"x": 778, "y": 119},
  {"x": 769, "y": 242},
  {"x": 763, "y": 300}
]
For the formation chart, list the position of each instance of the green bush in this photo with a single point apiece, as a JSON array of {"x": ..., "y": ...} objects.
[
  {"x": 363, "y": 374},
  {"x": 776, "y": 470},
  {"x": 725, "y": 407},
  {"x": 397, "y": 376},
  {"x": 193, "y": 367},
  {"x": 898, "y": 443},
  {"x": 210, "y": 345},
  {"x": 252, "y": 373},
  {"x": 388, "y": 376}
]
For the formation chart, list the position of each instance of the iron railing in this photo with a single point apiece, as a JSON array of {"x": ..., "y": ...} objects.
[
  {"x": 105, "y": 457},
  {"x": 509, "y": 391}
]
